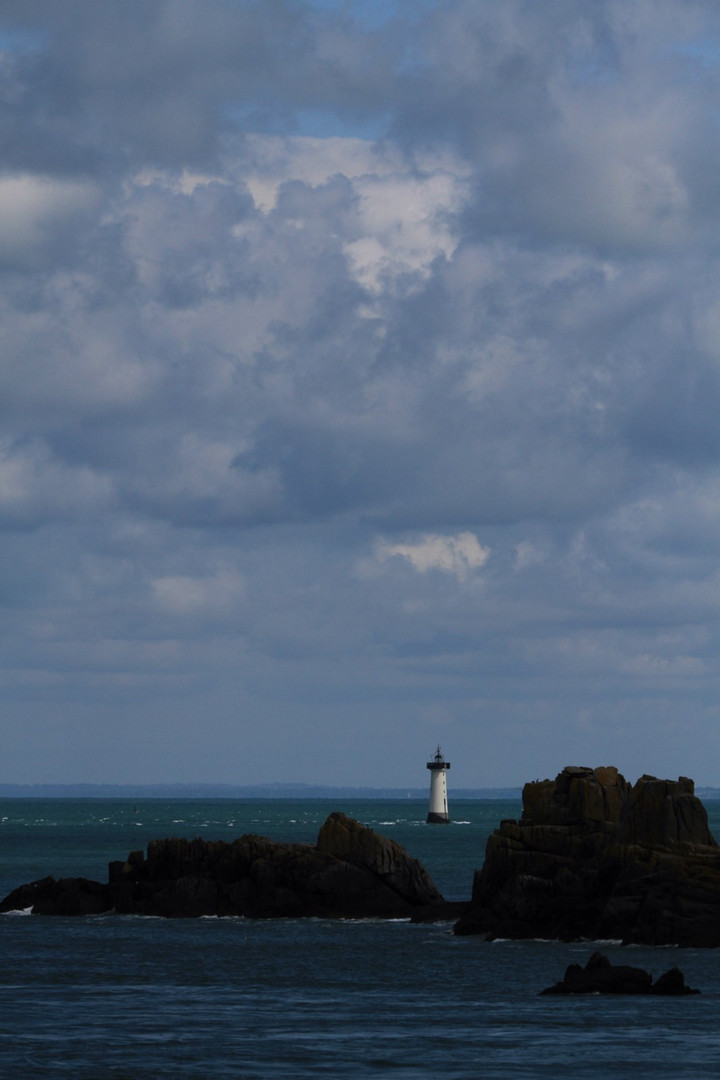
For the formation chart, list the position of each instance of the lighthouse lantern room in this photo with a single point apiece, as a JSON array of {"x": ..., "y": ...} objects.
[{"x": 438, "y": 809}]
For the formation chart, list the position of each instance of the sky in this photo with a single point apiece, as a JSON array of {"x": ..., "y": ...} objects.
[{"x": 359, "y": 390}]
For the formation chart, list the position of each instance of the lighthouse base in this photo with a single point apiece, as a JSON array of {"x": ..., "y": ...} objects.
[{"x": 437, "y": 819}]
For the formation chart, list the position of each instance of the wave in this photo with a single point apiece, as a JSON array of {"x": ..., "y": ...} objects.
[{"x": 559, "y": 941}]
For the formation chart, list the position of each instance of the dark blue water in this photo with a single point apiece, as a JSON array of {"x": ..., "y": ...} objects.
[{"x": 138, "y": 998}]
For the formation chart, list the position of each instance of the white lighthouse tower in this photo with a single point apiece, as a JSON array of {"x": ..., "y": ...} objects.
[{"x": 438, "y": 809}]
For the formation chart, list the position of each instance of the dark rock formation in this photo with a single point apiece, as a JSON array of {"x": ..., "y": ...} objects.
[
  {"x": 351, "y": 872},
  {"x": 343, "y": 838},
  {"x": 599, "y": 976},
  {"x": 594, "y": 857},
  {"x": 68, "y": 896}
]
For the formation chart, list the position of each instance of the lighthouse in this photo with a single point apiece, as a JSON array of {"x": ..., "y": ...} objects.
[{"x": 438, "y": 809}]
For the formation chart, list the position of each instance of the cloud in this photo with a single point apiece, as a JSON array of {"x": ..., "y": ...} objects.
[
  {"x": 234, "y": 355},
  {"x": 184, "y": 595},
  {"x": 37, "y": 213},
  {"x": 405, "y": 224},
  {"x": 104, "y": 87},
  {"x": 458, "y": 555},
  {"x": 595, "y": 107},
  {"x": 35, "y": 489}
]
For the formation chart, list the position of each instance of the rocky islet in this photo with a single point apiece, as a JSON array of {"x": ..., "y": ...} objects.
[
  {"x": 600, "y": 976},
  {"x": 351, "y": 872},
  {"x": 594, "y": 857}
]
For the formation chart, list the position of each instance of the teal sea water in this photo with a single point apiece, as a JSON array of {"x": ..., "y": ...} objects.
[{"x": 127, "y": 998}]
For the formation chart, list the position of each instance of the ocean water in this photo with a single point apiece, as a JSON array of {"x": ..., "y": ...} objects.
[{"x": 133, "y": 998}]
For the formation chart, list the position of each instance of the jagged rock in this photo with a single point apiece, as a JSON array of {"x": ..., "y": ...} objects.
[
  {"x": 594, "y": 857},
  {"x": 351, "y": 872},
  {"x": 599, "y": 976},
  {"x": 354, "y": 843},
  {"x": 671, "y": 984}
]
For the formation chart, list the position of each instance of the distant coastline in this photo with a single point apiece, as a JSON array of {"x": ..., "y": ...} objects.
[
  {"x": 258, "y": 791},
  {"x": 237, "y": 791}
]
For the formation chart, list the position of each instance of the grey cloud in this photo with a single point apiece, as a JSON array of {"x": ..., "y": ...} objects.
[
  {"x": 578, "y": 119},
  {"x": 183, "y": 247},
  {"x": 156, "y": 84},
  {"x": 260, "y": 393}
]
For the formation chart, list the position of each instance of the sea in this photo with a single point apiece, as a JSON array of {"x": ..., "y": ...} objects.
[{"x": 134, "y": 998}]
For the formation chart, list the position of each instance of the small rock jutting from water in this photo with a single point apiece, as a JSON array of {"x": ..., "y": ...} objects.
[{"x": 599, "y": 976}]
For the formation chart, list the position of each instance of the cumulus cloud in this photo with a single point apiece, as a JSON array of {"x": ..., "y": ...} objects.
[
  {"x": 405, "y": 226},
  {"x": 458, "y": 555}
]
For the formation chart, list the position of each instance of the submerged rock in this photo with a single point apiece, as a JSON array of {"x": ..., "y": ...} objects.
[
  {"x": 599, "y": 976},
  {"x": 351, "y": 872},
  {"x": 594, "y": 857}
]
